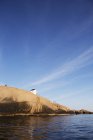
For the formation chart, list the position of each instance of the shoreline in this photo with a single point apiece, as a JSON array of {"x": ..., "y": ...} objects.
[
  {"x": 38, "y": 115},
  {"x": 35, "y": 115}
]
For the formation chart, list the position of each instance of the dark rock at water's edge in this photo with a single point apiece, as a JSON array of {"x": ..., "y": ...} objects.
[{"x": 82, "y": 111}]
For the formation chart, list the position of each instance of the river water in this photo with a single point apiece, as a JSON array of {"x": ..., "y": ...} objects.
[{"x": 72, "y": 127}]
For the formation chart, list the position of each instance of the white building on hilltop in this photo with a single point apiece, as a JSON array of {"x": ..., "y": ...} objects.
[{"x": 33, "y": 91}]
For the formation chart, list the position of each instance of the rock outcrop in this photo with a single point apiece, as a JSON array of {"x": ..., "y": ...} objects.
[{"x": 16, "y": 101}]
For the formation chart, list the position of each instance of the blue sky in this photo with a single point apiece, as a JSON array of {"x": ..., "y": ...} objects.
[{"x": 48, "y": 45}]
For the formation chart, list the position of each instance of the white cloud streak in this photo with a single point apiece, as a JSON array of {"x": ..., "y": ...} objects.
[
  {"x": 81, "y": 61},
  {"x": 77, "y": 63},
  {"x": 69, "y": 94},
  {"x": 63, "y": 83}
]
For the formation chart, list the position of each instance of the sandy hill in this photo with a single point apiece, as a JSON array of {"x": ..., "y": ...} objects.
[{"x": 17, "y": 101}]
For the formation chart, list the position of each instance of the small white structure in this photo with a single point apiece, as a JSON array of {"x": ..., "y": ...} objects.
[{"x": 33, "y": 91}]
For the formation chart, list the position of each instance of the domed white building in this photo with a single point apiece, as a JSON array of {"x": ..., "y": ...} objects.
[{"x": 33, "y": 91}]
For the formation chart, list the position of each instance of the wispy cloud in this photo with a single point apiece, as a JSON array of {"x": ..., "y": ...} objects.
[
  {"x": 69, "y": 67},
  {"x": 63, "y": 83},
  {"x": 73, "y": 93}
]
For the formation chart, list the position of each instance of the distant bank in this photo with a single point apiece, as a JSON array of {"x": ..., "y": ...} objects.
[{"x": 14, "y": 101}]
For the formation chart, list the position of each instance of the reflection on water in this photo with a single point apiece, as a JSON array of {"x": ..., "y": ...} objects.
[{"x": 47, "y": 128}]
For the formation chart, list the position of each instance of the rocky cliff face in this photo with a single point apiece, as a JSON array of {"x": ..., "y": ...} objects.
[{"x": 17, "y": 101}]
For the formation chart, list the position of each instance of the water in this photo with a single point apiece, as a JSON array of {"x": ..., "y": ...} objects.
[{"x": 73, "y": 127}]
